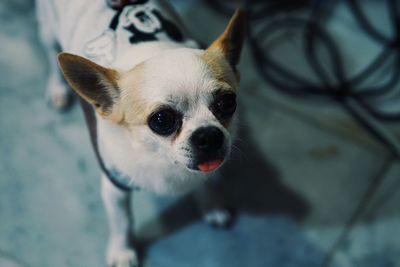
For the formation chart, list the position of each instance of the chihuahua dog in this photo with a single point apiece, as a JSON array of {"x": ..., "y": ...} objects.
[{"x": 160, "y": 110}]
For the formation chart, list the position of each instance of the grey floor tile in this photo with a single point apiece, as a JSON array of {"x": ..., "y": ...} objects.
[
  {"x": 374, "y": 241},
  {"x": 7, "y": 262}
]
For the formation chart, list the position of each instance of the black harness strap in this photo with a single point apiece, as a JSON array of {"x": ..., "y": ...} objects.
[
  {"x": 91, "y": 124},
  {"x": 167, "y": 26},
  {"x": 114, "y": 21}
]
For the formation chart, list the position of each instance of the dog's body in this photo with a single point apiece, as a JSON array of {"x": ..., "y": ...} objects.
[{"x": 164, "y": 108}]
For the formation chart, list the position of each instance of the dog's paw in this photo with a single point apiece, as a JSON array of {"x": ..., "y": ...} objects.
[
  {"x": 58, "y": 94},
  {"x": 220, "y": 218},
  {"x": 122, "y": 257}
]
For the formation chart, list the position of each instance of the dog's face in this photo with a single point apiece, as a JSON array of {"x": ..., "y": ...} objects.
[
  {"x": 184, "y": 103},
  {"x": 181, "y": 101}
]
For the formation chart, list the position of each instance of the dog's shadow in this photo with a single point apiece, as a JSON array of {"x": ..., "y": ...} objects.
[{"x": 250, "y": 183}]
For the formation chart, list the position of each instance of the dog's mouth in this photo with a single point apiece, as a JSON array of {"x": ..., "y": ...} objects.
[
  {"x": 210, "y": 166},
  {"x": 207, "y": 162},
  {"x": 207, "y": 166}
]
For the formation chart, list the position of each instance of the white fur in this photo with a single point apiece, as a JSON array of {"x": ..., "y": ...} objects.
[{"x": 217, "y": 217}]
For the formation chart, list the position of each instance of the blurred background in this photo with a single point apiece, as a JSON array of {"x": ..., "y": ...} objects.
[{"x": 315, "y": 179}]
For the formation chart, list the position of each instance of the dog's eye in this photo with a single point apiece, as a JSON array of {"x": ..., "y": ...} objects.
[
  {"x": 225, "y": 105},
  {"x": 164, "y": 122}
]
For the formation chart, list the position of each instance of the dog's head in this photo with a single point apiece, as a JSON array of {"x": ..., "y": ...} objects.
[{"x": 182, "y": 100}]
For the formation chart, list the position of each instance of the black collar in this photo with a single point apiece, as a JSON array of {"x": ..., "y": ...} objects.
[{"x": 112, "y": 174}]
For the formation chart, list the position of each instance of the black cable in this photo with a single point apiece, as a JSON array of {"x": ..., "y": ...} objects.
[
  {"x": 364, "y": 22},
  {"x": 340, "y": 87}
]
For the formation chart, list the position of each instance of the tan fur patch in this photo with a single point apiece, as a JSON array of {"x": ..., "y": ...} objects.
[
  {"x": 219, "y": 67},
  {"x": 223, "y": 54},
  {"x": 131, "y": 104},
  {"x": 230, "y": 42}
]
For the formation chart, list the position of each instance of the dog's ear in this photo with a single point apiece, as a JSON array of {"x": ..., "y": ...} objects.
[
  {"x": 230, "y": 42},
  {"x": 94, "y": 83}
]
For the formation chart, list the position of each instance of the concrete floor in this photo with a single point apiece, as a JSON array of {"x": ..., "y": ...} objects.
[{"x": 300, "y": 172}]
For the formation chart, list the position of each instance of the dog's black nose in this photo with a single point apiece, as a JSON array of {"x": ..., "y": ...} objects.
[{"x": 207, "y": 139}]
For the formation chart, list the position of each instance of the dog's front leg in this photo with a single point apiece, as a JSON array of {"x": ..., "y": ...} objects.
[{"x": 117, "y": 204}]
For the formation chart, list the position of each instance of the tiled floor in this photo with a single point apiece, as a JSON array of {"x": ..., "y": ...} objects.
[{"x": 297, "y": 178}]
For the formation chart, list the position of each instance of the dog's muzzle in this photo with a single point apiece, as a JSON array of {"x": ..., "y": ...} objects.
[{"x": 208, "y": 144}]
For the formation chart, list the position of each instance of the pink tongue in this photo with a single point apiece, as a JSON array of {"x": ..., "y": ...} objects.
[{"x": 209, "y": 166}]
